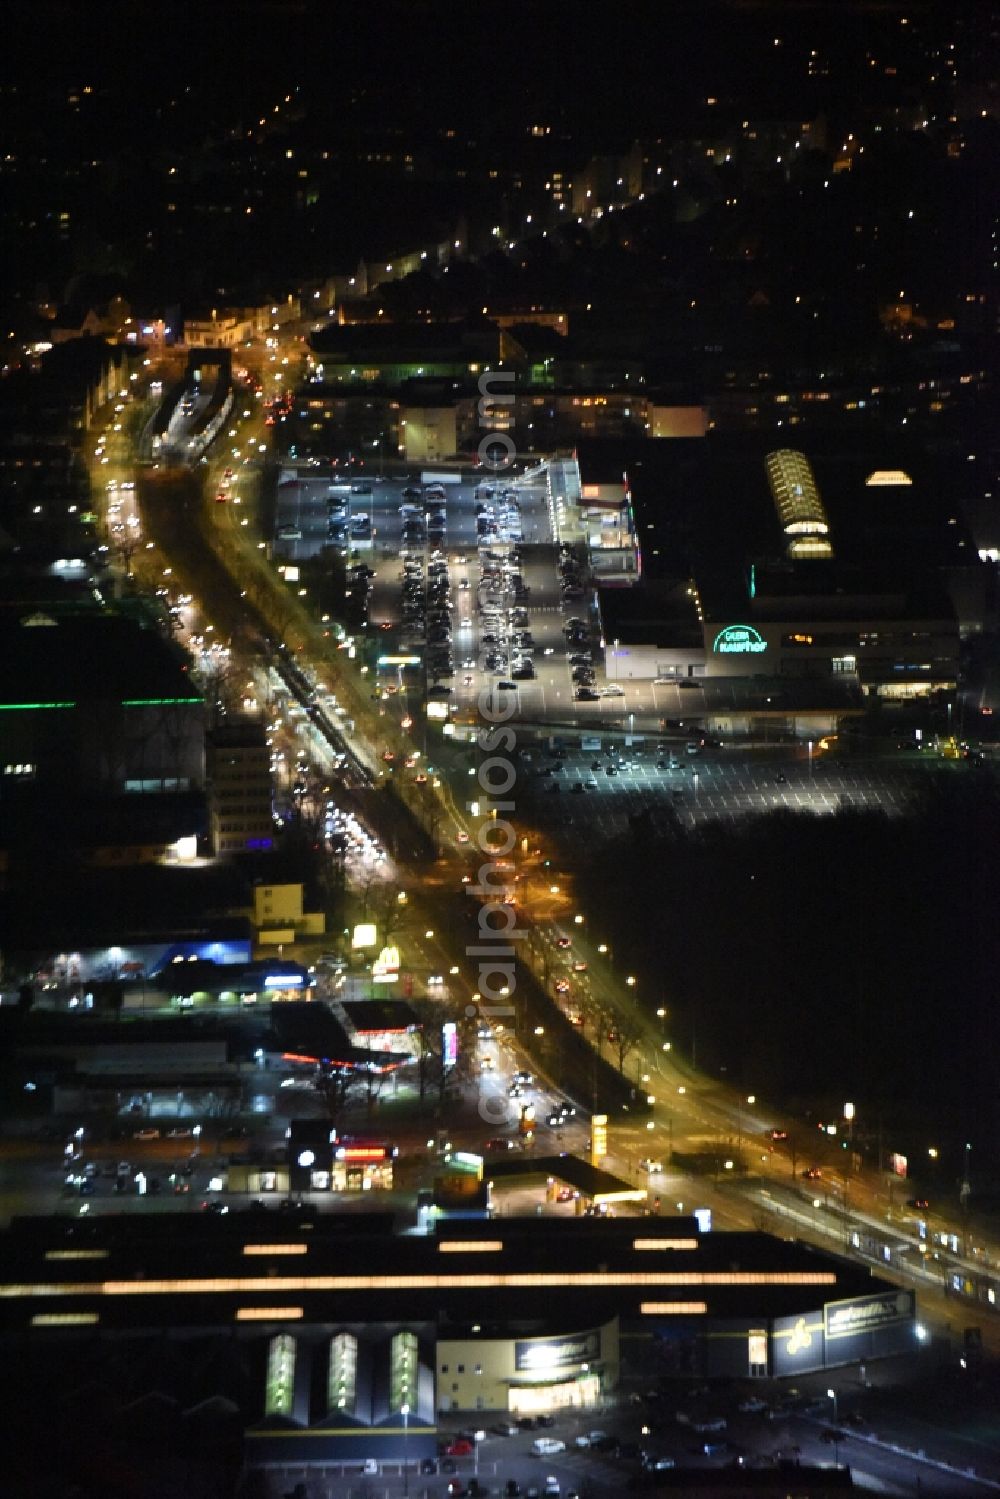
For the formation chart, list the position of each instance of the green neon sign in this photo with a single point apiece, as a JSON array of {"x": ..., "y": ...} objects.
[
  {"x": 739, "y": 640},
  {"x": 157, "y": 702},
  {"x": 30, "y": 707}
]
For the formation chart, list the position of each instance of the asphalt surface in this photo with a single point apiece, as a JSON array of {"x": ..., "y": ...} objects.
[{"x": 654, "y": 774}]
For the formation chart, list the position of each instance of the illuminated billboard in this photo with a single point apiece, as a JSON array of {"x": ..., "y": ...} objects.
[
  {"x": 449, "y": 1043},
  {"x": 279, "y": 1391},
  {"x": 844, "y": 1319},
  {"x": 598, "y": 1138},
  {"x": 556, "y": 1353}
]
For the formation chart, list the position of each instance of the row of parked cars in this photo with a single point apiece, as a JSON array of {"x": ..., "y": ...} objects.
[
  {"x": 498, "y": 514},
  {"x": 505, "y": 623},
  {"x": 427, "y": 611},
  {"x": 571, "y": 579}
]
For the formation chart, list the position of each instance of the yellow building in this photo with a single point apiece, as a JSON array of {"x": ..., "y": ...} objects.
[{"x": 529, "y": 1375}]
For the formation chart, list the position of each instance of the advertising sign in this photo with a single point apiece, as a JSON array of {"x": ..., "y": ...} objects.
[
  {"x": 843, "y": 1319},
  {"x": 279, "y": 1390},
  {"x": 365, "y": 935},
  {"x": 797, "y": 1343},
  {"x": 555, "y": 1353},
  {"x": 386, "y": 965},
  {"x": 898, "y": 1163},
  {"x": 449, "y": 1043},
  {"x": 739, "y": 640},
  {"x": 598, "y": 1138}
]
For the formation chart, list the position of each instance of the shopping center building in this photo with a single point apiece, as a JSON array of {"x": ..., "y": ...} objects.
[
  {"x": 354, "y": 1338},
  {"x": 725, "y": 560}
]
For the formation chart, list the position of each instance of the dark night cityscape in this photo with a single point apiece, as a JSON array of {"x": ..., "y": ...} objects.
[{"x": 499, "y": 749}]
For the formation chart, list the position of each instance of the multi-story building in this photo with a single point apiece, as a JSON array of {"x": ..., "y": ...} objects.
[{"x": 238, "y": 767}]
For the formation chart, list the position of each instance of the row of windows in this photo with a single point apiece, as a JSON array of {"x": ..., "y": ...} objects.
[{"x": 830, "y": 639}]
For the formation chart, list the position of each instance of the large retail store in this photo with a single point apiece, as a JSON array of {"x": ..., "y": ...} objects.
[{"x": 352, "y": 1339}]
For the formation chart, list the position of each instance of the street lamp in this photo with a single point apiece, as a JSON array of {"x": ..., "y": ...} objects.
[
  {"x": 832, "y": 1395},
  {"x": 406, "y": 1433}
]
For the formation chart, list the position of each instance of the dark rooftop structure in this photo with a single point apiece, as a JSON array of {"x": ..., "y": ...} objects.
[
  {"x": 406, "y": 342},
  {"x": 380, "y": 1014},
  {"x": 663, "y": 612},
  {"x": 129, "y": 1271},
  {"x": 892, "y": 525},
  {"x": 50, "y": 660}
]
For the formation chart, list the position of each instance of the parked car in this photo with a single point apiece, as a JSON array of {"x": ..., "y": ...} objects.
[{"x": 547, "y": 1446}]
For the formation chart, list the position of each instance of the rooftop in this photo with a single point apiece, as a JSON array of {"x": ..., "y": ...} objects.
[
  {"x": 130, "y": 1272},
  {"x": 49, "y": 660},
  {"x": 704, "y": 508},
  {"x": 380, "y": 1014}
]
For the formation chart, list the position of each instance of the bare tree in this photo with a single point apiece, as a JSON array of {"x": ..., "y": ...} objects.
[
  {"x": 623, "y": 1033},
  {"x": 383, "y": 905},
  {"x": 335, "y": 1087}
]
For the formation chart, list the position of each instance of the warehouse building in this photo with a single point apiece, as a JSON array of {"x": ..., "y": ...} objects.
[{"x": 355, "y": 1337}]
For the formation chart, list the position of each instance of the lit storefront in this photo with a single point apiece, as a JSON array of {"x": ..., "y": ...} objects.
[
  {"x": 342, "y": 1166},
  {"x": 528, "y": 1376},
  {"x": 327, "y": 1166}
]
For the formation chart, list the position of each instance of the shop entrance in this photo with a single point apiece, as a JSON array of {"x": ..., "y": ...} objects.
[{"x": 540, "y": 1399}]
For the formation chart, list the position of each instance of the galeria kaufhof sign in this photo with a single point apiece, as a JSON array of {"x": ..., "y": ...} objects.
[{"x": 739, "y": 640}]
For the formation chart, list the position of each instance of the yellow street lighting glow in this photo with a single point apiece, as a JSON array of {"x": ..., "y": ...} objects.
[
  {"x": 249, "y": 1285},
  {"x": 269, "y": 1313},
  {"x": 276, "y": 1249},
  {"x": 65, "y": 1319},
  {"x": 672, "y": 1308},
  {"x": 470, "y": 1246},
  {"x": 641, "y": 1244}
]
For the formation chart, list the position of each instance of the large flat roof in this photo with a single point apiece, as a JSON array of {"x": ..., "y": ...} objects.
[
  {"x": 703, "y": 507},
  {"x": 181, "y": 1270},
  {"x": 70, "y": 659}
]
